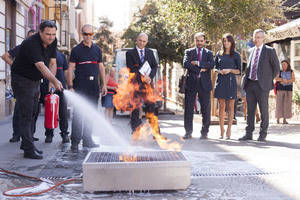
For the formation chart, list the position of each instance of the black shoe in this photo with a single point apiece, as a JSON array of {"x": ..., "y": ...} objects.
[
  {"x": 35, "y": 139},
  {"x": 65, "y": 138},
  {"x": 261, "y": 139},
  {"x": 90, "y": 145},
  {"x": 245, "y": 137},
  {"x": 48, "y": 139},
  {"x": 15, "y": 139},
  {"x": 187, "y": 136},
  {"x": 38, "y": 151},
  {"x": 74, "y": 148},
  {"x": 203, "y": 137},
  {"x": 32, "y": 155}
]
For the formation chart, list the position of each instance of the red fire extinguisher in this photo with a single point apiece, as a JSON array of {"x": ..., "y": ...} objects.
[{"x": 51, "y": 110}]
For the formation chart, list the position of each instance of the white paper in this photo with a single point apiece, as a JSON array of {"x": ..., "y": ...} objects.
[{"x": 145, "y": 69}]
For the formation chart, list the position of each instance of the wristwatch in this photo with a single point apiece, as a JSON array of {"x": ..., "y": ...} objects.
[{"x": 70, "y": 86}]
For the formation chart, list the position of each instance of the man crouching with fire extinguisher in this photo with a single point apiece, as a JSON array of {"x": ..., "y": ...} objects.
[
  {"x": 86, "y": 62},
  {"x": 62, "y": 67},
  {"x": 36, "y": 53}
]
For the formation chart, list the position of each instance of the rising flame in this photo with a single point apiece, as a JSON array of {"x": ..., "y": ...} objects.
[{"x": 128, "y": 98}]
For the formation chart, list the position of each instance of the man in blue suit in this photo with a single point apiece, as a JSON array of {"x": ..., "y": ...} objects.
[{"x": 198, "y": 61}]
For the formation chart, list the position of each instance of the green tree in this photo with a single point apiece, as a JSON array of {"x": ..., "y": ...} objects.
[
  {"x": 105, "y": 39},
  {"x": 216, "y": 17}
]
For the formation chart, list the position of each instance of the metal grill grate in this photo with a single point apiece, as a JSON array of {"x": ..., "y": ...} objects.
[{"x": 145, "y": 156}]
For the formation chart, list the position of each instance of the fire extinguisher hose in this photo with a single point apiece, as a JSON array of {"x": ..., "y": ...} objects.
[{"x": 7, "y": 192}]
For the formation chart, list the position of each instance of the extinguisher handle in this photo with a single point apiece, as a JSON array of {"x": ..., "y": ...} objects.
[{"x": 51, "y": 90}]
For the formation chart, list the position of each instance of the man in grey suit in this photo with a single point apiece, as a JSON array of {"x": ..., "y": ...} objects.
[{"x": 263, "y": 66}]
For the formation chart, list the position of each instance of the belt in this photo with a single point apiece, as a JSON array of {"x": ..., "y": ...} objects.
[
  {"x": 91, "y": 78},
  {"x": 252, "y": 80},
  {"x": 87, "y": 62}
]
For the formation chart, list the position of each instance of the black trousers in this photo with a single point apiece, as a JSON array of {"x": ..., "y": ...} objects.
[
  {"x": 189, "y": 102},
  {"x": 26, "y": 92},
  {"x": 82, "y": 127},
  {"x": 135, "y": 121},
  {"x": 255, "y": 95},
  {"x": 63, "y": 116},
  {"x": 15, "y": 122}
]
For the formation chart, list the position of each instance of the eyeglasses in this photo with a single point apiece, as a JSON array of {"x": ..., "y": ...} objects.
[{"x": 86, "y": 34}]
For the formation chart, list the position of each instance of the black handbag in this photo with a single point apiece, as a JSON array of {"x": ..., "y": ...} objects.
[{"x": 182, "y": 82}]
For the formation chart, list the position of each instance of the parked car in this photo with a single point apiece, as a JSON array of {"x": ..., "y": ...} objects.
[{"x": 120, "y": 65}]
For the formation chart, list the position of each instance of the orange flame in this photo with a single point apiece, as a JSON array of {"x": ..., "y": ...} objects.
[
  {"x": 129, "y": 92},
  {"x": 130, "y": 95},
  {"x": 127, "y": 158}
]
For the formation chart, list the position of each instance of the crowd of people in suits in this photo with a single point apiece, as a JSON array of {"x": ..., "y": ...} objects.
[{"x": 262, "y": 67}]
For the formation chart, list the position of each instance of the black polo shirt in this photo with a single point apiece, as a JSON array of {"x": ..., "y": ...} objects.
[
  {"x": 32, "y": 51},
  {"x": 86, "y": 59},
  {"x": 62, "y": 65},
  {"x": 14, "y": 52}
]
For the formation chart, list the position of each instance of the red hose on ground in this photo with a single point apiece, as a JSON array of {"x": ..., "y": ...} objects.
[{"x": 34, "y": 178}]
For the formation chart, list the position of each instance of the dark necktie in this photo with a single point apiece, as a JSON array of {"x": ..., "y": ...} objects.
[
  {"x": 142, "y": 56},
  {"x": 254, "y": 66},
  {"x": 199, "y": 60},
  {"x": 199, "y": 55}
]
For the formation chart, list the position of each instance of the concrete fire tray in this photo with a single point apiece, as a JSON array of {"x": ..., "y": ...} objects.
[{"x": 145, "y": 170}]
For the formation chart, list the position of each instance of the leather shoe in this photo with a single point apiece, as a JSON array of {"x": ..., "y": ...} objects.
[
  {"x": 15, "y": 139},
  {"x": 48, "y": 139},
  {"x": 261, "y": 139},
  {"x": 203, "y": 137},
  {"x": 74, "y": 148},
  {"x": 38, "y": 151},
  {"x": 187, "y": 136},
  {"x": 35, "y": 139},
  {"x": 32, "y": 155},
  {"x": 91, "y": 145},
  {"x": 65, "y": 138},
  {"x": 245, "y": 137}
]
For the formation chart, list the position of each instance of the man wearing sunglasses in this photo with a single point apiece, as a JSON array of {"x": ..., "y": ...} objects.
[{"x": 86, "y": 62}]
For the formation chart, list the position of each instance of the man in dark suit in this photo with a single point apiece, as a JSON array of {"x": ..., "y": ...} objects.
[
  {"x": 135, "y": 58},
  {"x": 263, "y": 66},
  {"x": 198, "y": 61}
]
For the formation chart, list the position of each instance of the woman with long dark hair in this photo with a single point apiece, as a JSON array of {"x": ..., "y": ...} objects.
[
  {"x": 284, "y": 94},
  {"x": 228, "y": 65}
]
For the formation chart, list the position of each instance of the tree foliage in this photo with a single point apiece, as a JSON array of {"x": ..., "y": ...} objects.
[
  {"x": 216, "y": 17},
  {"x": 171, "y": 24},
  {"x": 161, "y": 37},
  {"x": 105, "y": 39}
]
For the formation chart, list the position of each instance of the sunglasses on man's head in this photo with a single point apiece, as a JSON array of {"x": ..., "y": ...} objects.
[{"x": 86, "y": 34}]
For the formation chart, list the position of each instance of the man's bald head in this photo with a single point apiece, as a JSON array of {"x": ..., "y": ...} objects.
[{"x": 142, "y": 40}]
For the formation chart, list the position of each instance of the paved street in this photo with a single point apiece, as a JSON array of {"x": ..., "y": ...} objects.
[{"x": 221, "y": 169}]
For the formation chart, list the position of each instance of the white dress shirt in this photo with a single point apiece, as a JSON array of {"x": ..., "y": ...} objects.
[
  {"x": 139, "y": 51},
  {"x": 253, "y": 58}
]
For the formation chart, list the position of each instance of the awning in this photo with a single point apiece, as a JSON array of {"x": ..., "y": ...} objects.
[{"x": 285, "y": 31}]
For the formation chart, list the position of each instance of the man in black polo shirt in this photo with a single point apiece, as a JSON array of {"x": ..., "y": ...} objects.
[
  {"x": 62, "y": 67},
  {"x": 87, "y": 58},
  {"x": 30, "y": 65},
  {"x": 9, "y": 57}
]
